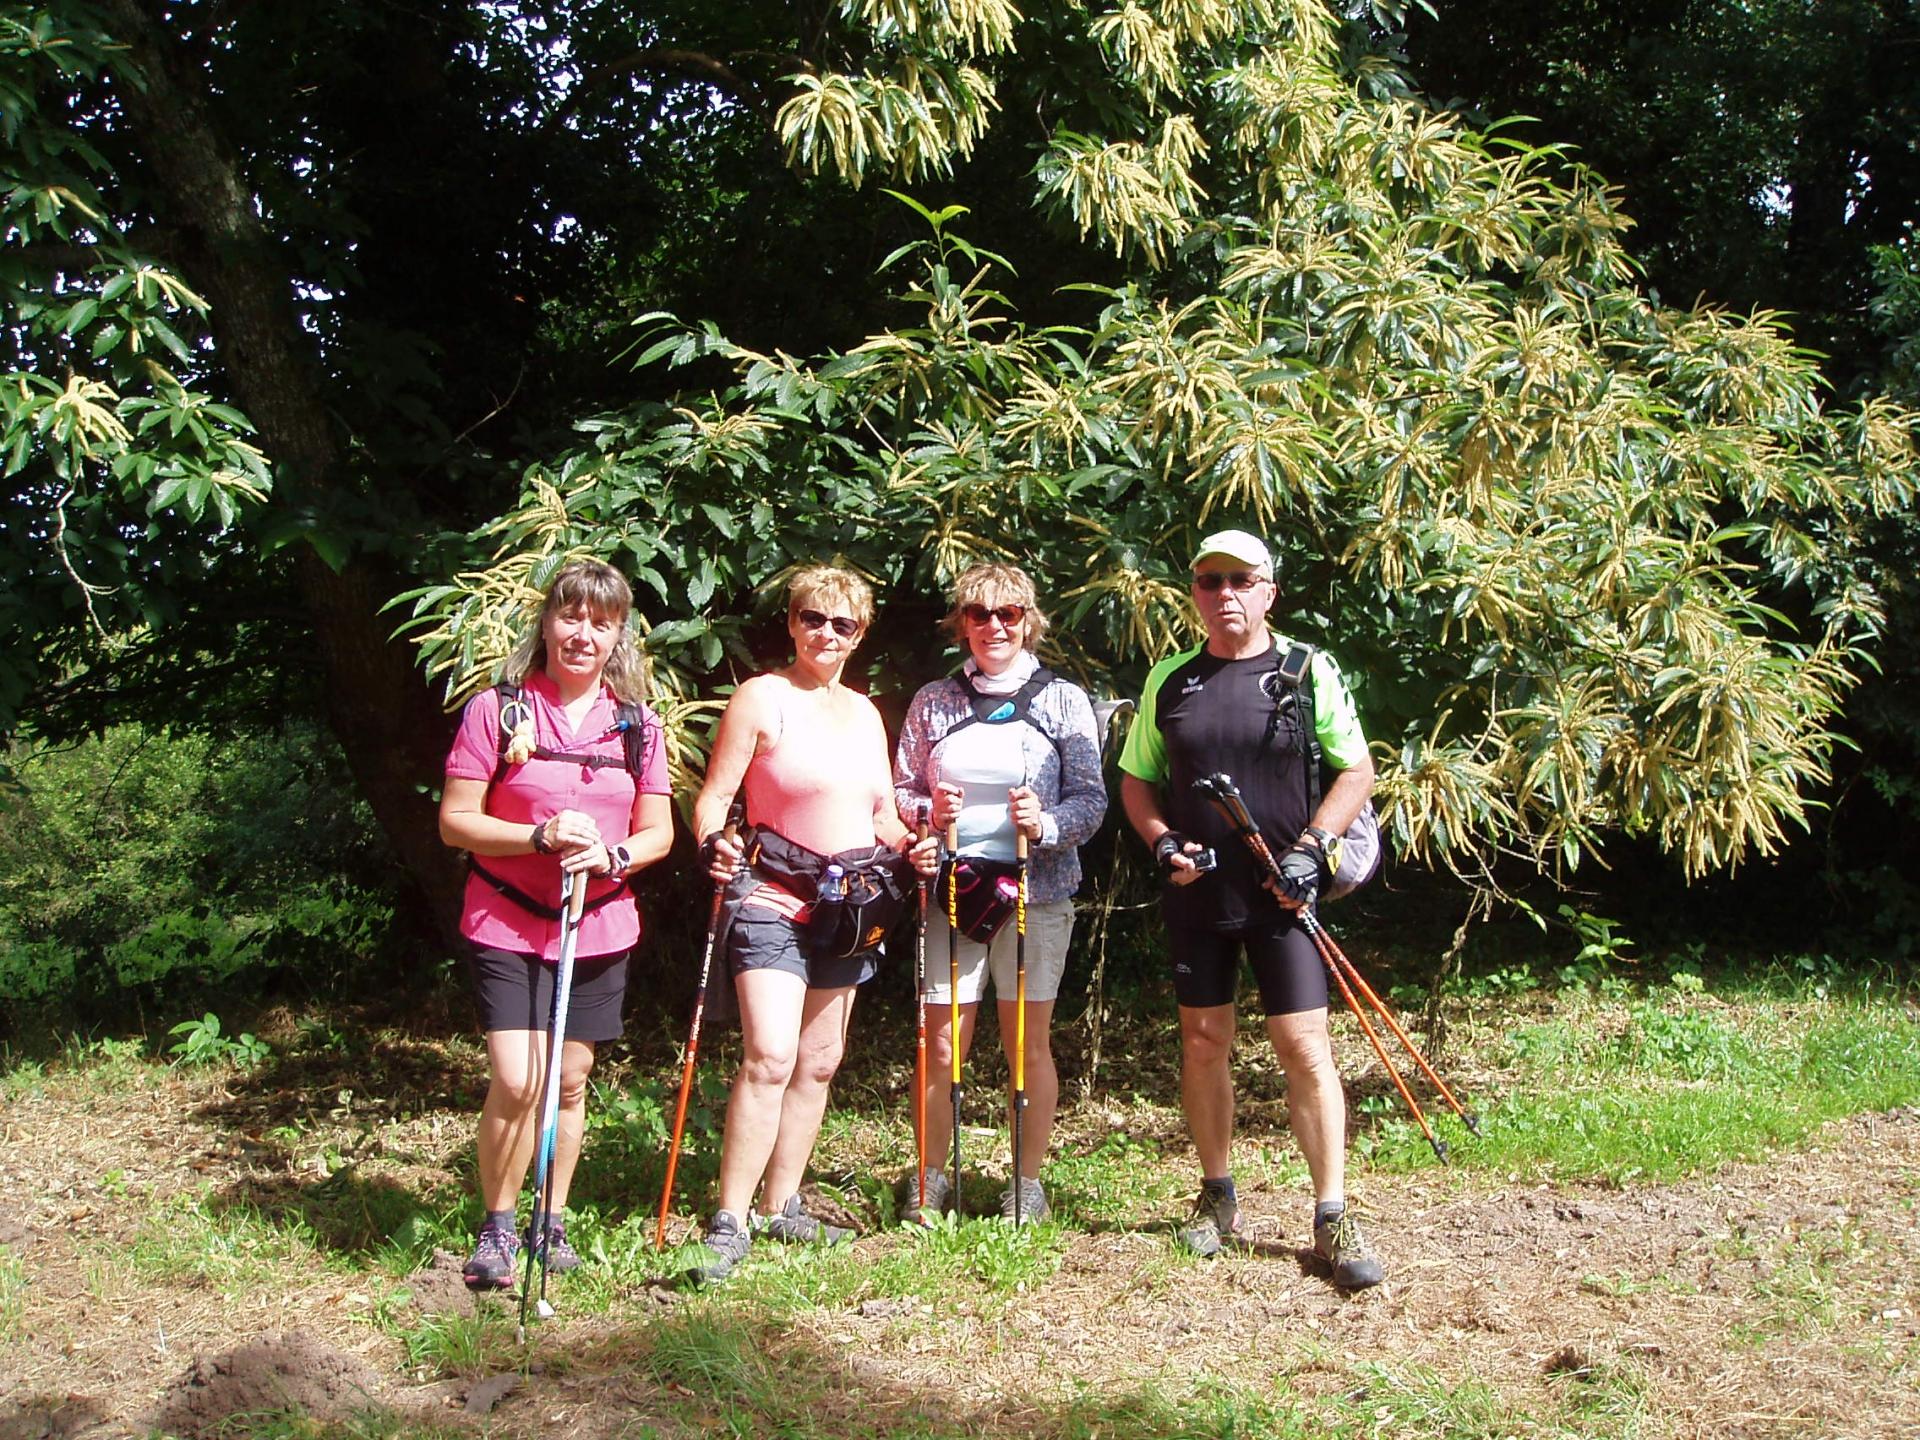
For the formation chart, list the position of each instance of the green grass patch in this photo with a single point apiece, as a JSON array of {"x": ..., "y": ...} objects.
[
  {"x": 1671, "y": 1085},
  {"x": 373, "y": 1424},
  {"x": 231, "y": 1248},
  {"x": 13, "y": 1295}
]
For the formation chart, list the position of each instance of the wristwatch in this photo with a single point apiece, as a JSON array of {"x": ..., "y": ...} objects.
[
  {"x": 619, "y": 860},
  {"x": 540, "y": 845},
  {"x": 1329, "y": 846}
]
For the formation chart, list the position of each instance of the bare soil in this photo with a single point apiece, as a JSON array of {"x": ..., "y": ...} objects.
[{"x": 1766, "y": 1300}]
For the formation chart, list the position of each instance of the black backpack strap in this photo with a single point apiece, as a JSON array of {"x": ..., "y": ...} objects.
[
  {"x": 637, "y": 735},
  {"x": 1294, "y": 675},
  {"x": 528, "y": 903},
  {"x": 512, "y": 707},
  {"x": 1004, "y": 709}
]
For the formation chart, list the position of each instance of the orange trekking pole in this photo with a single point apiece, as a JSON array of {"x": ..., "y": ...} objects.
[
  {"x": 953, "y": 994},
  {"x": 693, "y": 1046}
]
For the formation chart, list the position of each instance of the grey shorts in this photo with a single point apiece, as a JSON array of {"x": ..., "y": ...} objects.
[
  {"x": 762, "y": 940},
  {"x": 1049, "y": 932}
]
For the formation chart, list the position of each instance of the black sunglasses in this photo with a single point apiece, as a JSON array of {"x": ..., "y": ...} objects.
[
  {"x": 1211, "y": 580},
  {"x": 845, "y": 626},
  {"x": 1007, "y": 615}
]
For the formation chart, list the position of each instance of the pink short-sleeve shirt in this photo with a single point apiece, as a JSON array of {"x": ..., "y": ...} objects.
[{"x": 540, "y": 788}]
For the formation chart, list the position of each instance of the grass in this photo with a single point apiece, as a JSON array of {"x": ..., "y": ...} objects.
[
  {"x": 1622, "y": 1084},
  {"x": 1673, "y": 1084}
]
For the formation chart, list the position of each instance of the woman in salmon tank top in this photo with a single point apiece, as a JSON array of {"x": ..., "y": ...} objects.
[{"x": 809, "y": 757}]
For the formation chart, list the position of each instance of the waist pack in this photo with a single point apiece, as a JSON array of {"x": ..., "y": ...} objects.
[
  {"x": 986, "y": 892},
  {"x": 874, "y": 886}
]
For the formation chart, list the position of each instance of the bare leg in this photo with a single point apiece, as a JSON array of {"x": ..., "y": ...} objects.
[
  {"x": 823, "y": 1040},
  {"x": 771, "y": 1005},
  {"x": 1316, "y": 1104},
  {"x": 1206, "y": 1083},
  {"x": 940, "y": 1075},
  {"x": 576, "y": 1064},
  {"x": 516, "y": 1083},
  {"x": 1043, "y": 1080}
]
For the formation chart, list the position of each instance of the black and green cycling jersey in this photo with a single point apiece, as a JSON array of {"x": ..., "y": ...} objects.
[{"x": 1201, "y": 715}]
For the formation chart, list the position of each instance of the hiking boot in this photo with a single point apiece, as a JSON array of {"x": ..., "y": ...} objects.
[
  {"x": 794, "y": 1226},
  {"x": 938, "y": 1188},
  {"x": 1033, "y": 1202},
  {"x": 491, "y": 1267},
  {"x": 1216, "y": 1219},
  {"x": 553, "y": 1251},
  {"x": 1338, "y": 1241},
  {"x": 728, "y": 1240}
]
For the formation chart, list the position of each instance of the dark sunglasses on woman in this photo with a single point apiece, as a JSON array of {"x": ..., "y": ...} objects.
[
  {"x": 845, "y": 626},
  {"x": 1211, "y": 580},
  {"x": 1007, "y": 615}
]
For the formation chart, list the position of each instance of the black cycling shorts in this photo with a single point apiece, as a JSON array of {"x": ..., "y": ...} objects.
[
  {"x": 1286, "y": 966},
  {"x": 515, "y": 992}
]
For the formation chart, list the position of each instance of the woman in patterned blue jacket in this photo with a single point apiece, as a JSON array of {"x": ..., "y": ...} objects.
[{"x": 1001, "y": 748}]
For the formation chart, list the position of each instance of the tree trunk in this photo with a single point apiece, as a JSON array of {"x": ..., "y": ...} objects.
[{"x": 378, "y": 703}]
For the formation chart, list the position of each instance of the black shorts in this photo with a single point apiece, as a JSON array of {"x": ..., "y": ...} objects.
[
  {"x": 1287, "y": 967},
  {"x": 515, "y": 992},
  {"x": 760, "y": 939}
]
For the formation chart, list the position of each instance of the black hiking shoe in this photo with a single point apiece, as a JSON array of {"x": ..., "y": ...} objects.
[
  {"x": 794, "y": 1226},
  {"x": 1338, "y": 1241},
  {"x": 1215, "y": 1220},
  {"x": 729, "y": 1241},
  {"x": 491, "y": 1267},
  {"x": 553, "y": 1251}
]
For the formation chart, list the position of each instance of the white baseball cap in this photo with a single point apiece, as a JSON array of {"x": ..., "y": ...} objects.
[{"x": 1238, "y": 545}]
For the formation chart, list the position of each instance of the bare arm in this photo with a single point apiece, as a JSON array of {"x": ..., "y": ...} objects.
[
  {"x": 465, "y": 824},
  {"x": 1345, "y": 798},
  {"x": 1141, "y": 801}
]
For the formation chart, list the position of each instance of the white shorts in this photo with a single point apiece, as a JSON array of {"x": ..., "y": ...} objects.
[{"x": 1049, "y": 930}]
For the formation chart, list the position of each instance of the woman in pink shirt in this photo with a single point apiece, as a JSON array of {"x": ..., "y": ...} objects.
[
  {"x": 548, "y": 777},
  {"x": 810, "y": 756}
]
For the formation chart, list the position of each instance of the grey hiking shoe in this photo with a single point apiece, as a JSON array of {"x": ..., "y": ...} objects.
[
  {"x": 938, "y": 1188},
  {"x": 491, "y": 1267},
  {"x": 1033, "y": 1202},
  {"x": 1216, "y": 1219},
  {"x": 554, "y": 1252},
  {"x": 1338, "y": 1241},
  {"x": 729, "y": 1241},
  {"x": 794, "y": 1226}
]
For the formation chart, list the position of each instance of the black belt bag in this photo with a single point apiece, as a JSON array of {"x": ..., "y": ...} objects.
[
  {"x": 853, "y": 911},
  {"x": 986, "y": 892}
]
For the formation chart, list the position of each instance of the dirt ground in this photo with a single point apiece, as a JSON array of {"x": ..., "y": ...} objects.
[{"x": 1779, "y": 1299}]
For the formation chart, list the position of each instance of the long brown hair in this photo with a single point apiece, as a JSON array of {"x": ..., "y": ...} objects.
[{"x": 604, "y": 593}]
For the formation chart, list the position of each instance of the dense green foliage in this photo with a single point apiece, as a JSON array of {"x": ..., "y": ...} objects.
[
  {"x": 143, "y": 872},
  {"x": 1600, "y": 561}
]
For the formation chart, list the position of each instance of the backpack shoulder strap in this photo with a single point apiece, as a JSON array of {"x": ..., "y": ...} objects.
[
  {"x": 512, "y": 707},
  {"x": 1294, "y": 675},
  {"x": 636, "y": 734},
  {"x": 1002, "y": 709}
]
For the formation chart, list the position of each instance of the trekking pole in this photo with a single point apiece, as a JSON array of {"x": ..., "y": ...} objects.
[
  {"x": 1226, "y": 798},
  {"x": 693, "y": 1046},
  {"x": 953, "y": 994},
  {"x": 1323, "y": 936},
  {"x": 920, "y": 1038},
  {"x": 1019, "y": 1021},
  {"x": 573, "y": 899}
]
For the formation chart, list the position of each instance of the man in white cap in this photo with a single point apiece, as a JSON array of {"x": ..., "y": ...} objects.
[{"x": 1224, "y": 707}]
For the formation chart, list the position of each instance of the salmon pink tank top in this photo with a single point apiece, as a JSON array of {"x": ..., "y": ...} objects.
[{"x": 819, "y": 782}]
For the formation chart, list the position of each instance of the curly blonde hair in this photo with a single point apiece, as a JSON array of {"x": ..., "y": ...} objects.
[
  {"x": 604, "y": 593},
  {"x": 822, "y": 587},
  {"x": 993, "y": 585}
]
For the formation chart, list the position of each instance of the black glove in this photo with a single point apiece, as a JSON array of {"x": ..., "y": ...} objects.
[
  {"x": 1170, "y": 844},
  {"x": 1302, "y": 871}
]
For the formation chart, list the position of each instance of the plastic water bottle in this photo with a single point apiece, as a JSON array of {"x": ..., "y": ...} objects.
[
  {"x": 833, "y": 884},
  {"x": 1007, "y": 888}
]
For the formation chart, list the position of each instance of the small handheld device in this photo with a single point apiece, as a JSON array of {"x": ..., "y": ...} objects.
[{"x": 1205, "y": 860}]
